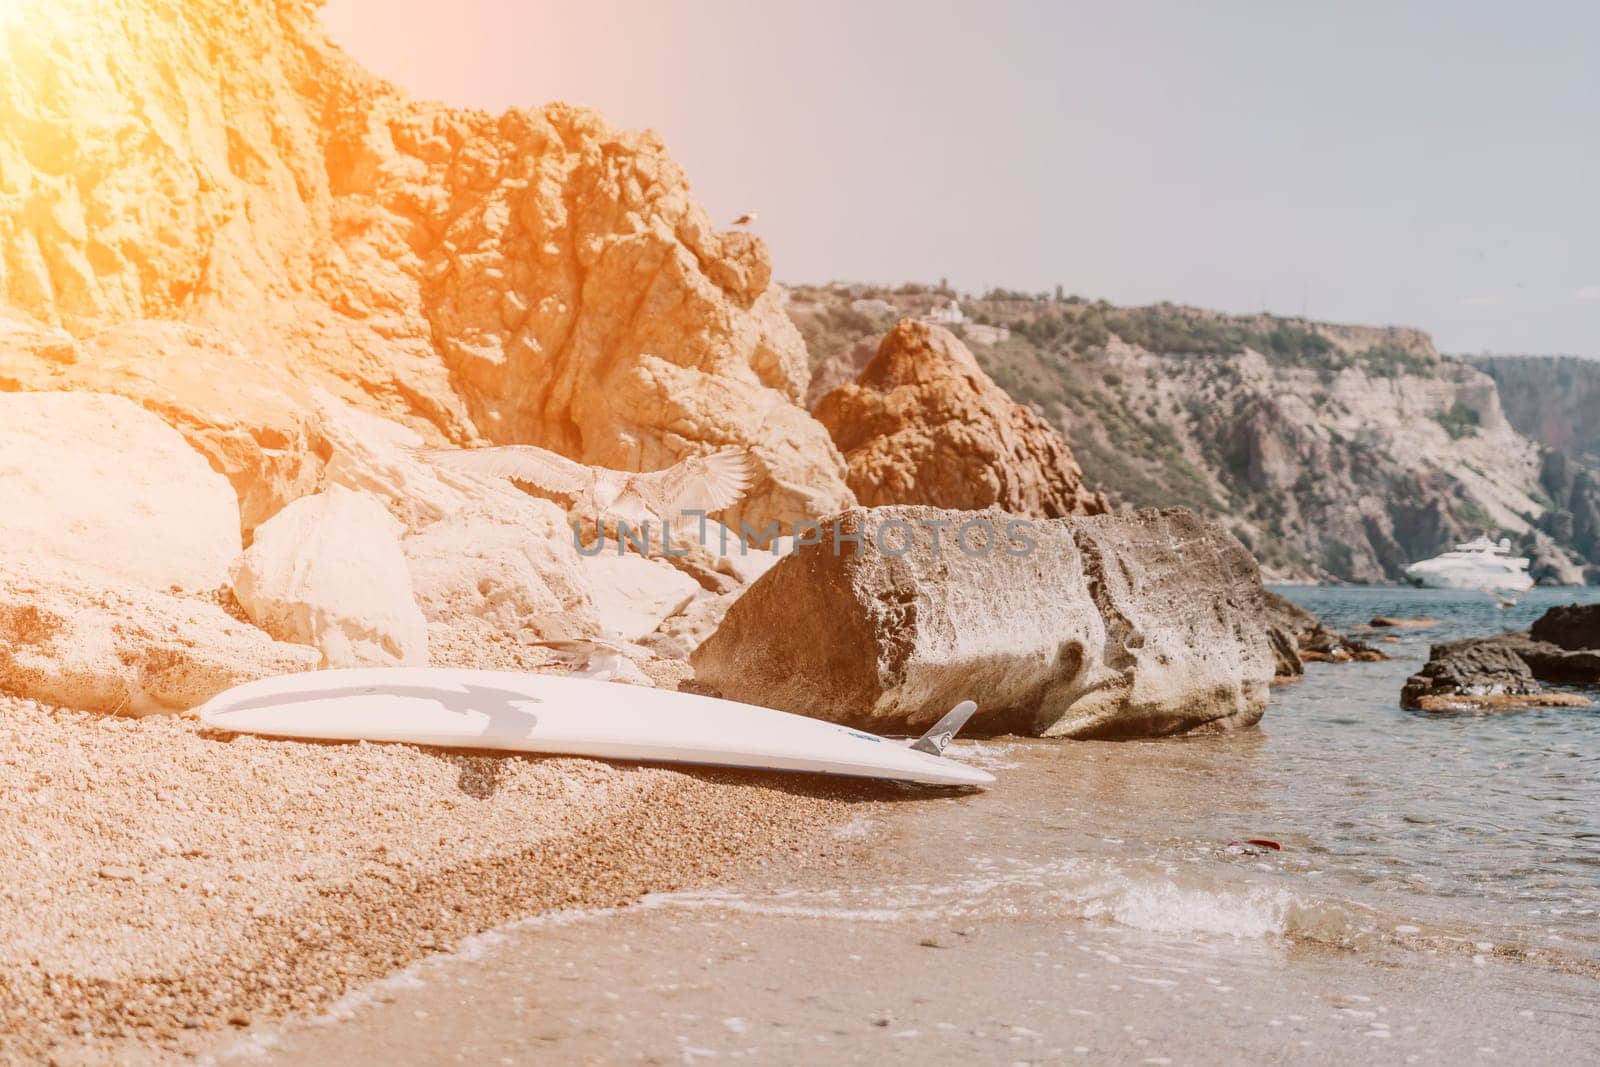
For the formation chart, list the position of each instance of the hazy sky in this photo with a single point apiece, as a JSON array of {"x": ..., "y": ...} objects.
[{"x": 1432, "y": 164}]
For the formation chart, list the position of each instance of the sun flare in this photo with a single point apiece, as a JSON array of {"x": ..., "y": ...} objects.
[{"x": 15, "y": 12}]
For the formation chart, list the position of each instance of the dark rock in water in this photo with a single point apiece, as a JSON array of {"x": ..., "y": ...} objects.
[
  {"x": 1552, "y": 663},
  {"x": 1330, "y": 646},
  {"x": 1286, "y": 620},
  {"x": 1563, "y": 646},
  {"x": 1286, "y": 665},
  {"x": 1476, "y": 667},
  {"x": 1479, "y": 672},
  {"x": 1128, "y": 625},
  {"x": 1297, "y": 636},
  {"x": 1573, "y": 627}
]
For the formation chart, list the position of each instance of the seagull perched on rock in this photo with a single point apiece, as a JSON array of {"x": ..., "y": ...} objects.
[{"x": 698, "y": 484}]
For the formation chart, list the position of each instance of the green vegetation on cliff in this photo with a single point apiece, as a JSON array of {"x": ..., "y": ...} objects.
[{"x": 1332, "y": 451}]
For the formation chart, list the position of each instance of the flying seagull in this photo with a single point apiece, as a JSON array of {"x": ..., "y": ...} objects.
[
  {"x": 747, "y": 219},
  {"x": 700, "y": 483}
]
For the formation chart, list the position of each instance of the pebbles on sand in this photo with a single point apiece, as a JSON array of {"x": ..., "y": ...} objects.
[{"x": 159, "y": 879}]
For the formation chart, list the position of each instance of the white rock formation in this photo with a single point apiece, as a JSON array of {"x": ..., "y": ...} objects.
[
  {"x": 81, "y": 639},
  {"x": 375, "y": 455},
  {"x": 96, "y": 481},
  {"x": 688, "y": 628},
  {"x": 633, "y": 594},
  {"x": 751, "y": 562},
  {"x": 513, "y": 567},
  {"x": 730, "y": 570},
  {"x": 328, "y": 571}
]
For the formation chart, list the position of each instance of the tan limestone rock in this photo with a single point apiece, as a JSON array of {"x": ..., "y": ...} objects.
[
  {"x": 923, "y": 424},
  {"x": 328, "y": 571},
  {"x": 82, "y": 639},
  {"x": 1128, "y": 625},
  {"x": 96, "y": 481},
  {"x": 536, "y": 276}
]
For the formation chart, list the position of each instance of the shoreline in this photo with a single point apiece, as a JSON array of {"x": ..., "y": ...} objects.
[
  {"x": 1033, "y": 923},
  {"x": 169, "y": 883},
  {"x": 195, "y": 894}
]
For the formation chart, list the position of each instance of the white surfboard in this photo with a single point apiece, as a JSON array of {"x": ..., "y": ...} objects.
[{"x": 558, "y": 715}]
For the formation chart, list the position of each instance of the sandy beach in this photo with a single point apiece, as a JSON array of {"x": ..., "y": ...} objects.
[{"x": 164, "y": 883}]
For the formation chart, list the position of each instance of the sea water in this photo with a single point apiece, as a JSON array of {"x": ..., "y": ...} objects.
[
  {"x": 1489, "y": 818},
  {"x": 1436, "y": 897}
]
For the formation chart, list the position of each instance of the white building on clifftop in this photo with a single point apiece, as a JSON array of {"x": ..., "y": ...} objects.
[{"x": 945, "y": 313}]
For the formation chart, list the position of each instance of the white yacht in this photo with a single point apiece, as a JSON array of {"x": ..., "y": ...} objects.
[{"x": 1480, "y": 564}]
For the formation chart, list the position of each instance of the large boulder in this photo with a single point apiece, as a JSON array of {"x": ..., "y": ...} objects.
[
  {"x": 1133, "y": 625},
  {"x": 96, "y": 481},
  {"x": 1478, "y": 673},
  {"x": 82, "y": 639},
  {"x": 923, "y": 424},
  {"x": 328, "y": 571}
]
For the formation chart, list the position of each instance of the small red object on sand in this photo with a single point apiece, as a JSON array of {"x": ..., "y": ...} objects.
[{"x": 1264, "y": 842}]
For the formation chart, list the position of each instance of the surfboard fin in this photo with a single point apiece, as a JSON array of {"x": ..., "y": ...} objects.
[{"x": 942, "y": 732}]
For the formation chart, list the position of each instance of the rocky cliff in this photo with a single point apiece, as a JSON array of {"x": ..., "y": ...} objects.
[
  {"x": 1335, "y": 452},
  {"x": 1553, "y": 399},
  {"x": 923, "y": 424},
  {"x": 208, "y": 208}
]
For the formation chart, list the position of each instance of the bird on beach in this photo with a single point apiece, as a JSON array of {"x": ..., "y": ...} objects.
[
  {"x": 747, "y": 219},
  {"x": 599, "y": 659},
  {"x": 707, "y": 483}
]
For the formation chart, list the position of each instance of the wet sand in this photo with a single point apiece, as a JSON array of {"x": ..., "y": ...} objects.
[
  {"x": 689, "y": 984},
  {"x": 162, "y": 884}
]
